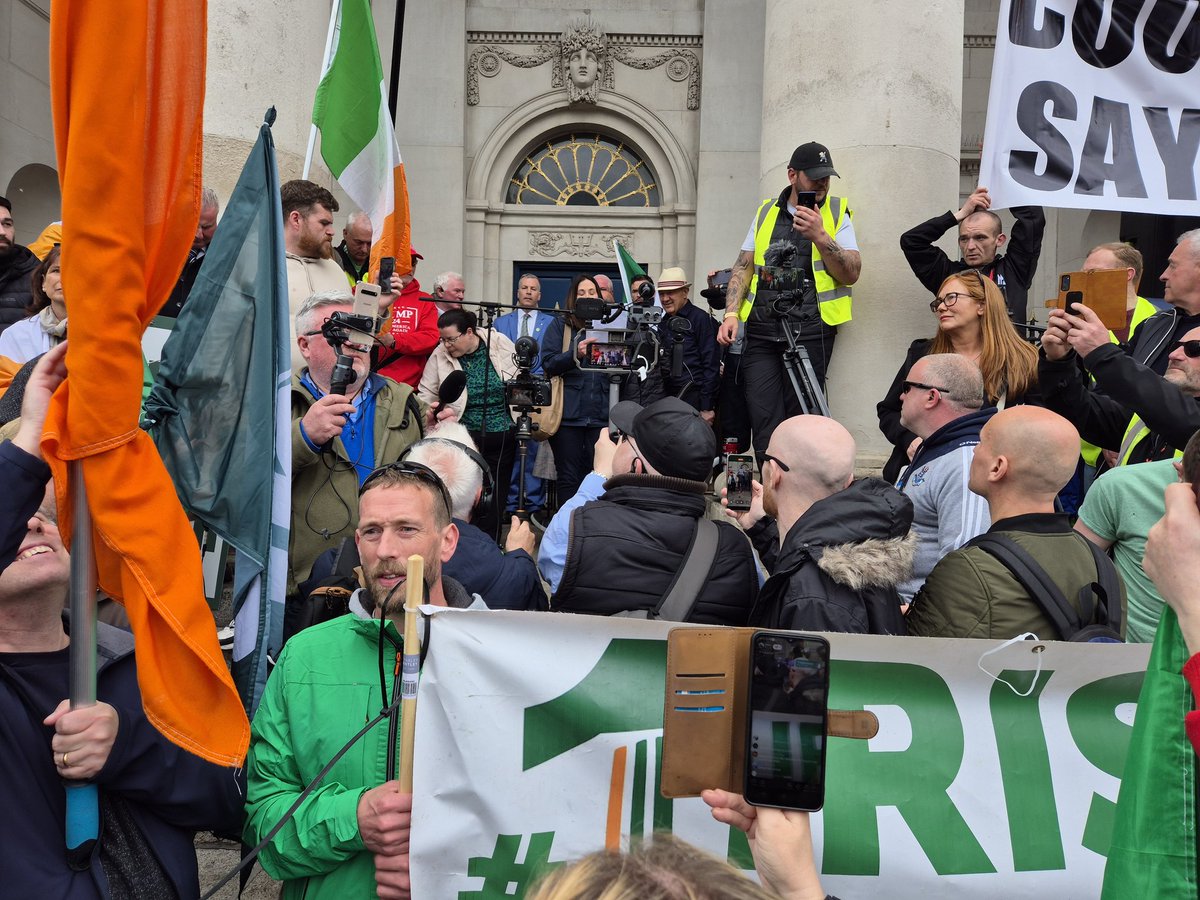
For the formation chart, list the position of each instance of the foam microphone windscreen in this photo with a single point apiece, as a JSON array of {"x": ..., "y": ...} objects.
[{"x": 452, "y": 387}]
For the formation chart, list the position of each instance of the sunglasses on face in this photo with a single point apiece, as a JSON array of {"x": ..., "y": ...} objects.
[
  {"x": 909, "y": 385},
  {"x": 1191, "y": 349}
]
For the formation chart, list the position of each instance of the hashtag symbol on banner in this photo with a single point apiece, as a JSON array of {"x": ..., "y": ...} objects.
[{"x": 502, "y": 874}]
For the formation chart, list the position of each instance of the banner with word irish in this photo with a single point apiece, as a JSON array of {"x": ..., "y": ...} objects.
[{"x": 539, "y": 738}]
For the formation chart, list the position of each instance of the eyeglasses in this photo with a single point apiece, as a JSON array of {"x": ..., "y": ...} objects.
[
  {"x": 1190, "y": 349},
  {"x": 450, "y": 341},
  {"x": 778, "y": 462},
  {"x": 413, "y": 470},
  {"x": 909, "y": 385},
  {"x": 947, "y": 299}
]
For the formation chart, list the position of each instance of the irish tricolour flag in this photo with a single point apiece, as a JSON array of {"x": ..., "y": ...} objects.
[{"x": 358, "y": 141}]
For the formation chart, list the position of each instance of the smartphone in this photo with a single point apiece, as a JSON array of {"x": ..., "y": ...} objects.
[
  {"x": 366, "y": 303},
  {"x": 789, "y": 708},
  {"x": 1101, "y": 290},
  {"x": 608, "y": 356},
  {"x": 387, "y": 266},
  {"x": 739, "y": 472},
  {"x": 806, "y": 198}
]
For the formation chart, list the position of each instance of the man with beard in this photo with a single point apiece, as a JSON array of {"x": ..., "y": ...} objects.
[
  {"x": 836, "y": 547},
  {"x": 350, "y": 837},
  {"x": 16, "y": 267},
  {"x": 308, "y": 241}
]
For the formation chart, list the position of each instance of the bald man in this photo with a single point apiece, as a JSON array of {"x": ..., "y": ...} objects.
[
  {"x": 1024, "y": 457},
  {"x": 836, "y": 548}
]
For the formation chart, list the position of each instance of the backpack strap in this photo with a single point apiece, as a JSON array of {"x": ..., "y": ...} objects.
[
  {"x": 1033, "y": 579},
  {"x": 1107, "y": 588},
  {"x": 677, "y": 603}
]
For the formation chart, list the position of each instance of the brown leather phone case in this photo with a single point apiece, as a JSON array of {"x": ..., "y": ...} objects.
[{"x": 704, "y": 714}]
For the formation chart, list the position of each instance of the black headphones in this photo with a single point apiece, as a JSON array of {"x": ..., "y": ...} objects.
[{"x": 489, "y": 486}]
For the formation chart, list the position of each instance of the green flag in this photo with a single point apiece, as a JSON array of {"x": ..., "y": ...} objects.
[
  {"x": 219, "y": 410},
  {"x": 1153, "y": 848},
  {"x": 629, "y": 269}
]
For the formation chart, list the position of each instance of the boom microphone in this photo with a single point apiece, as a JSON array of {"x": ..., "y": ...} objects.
[
  {"x": 781, "y": 255},
  {"x": 679, "y": 327},
  {"x": 526, "y": 352}
]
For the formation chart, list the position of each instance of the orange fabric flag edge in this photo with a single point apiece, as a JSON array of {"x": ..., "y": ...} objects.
[{"x": 127, "y": 106}]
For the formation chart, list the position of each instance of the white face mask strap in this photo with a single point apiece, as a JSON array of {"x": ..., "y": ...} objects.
[{"x": 1037, "y": 649}]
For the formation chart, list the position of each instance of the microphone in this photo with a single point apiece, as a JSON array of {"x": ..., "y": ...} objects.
[
  {"x": 451, "y": 388},
  {"x": 680, "y": 326},
  {"x": 526, "y": 352},
  {"x": 781, "y": 255}
]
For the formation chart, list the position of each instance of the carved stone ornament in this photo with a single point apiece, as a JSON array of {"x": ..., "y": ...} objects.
[
  {"x": 577, "y": 243},
  {"x": 582, "y": 61}
]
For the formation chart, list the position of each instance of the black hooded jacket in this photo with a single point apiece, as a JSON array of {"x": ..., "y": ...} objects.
[
  {"x": 16, "y": 286},
  {"x": 839, "y": 564}
]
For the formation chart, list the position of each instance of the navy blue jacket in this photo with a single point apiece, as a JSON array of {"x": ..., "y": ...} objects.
[
  {"x": 701, "y": 358},
  {"x": 503, "y": 580},
  {"x": 170, "y": 793},
  {"x": 585, "y": 394}
]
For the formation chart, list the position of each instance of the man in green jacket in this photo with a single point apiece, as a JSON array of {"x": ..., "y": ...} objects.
[
  {"x": 1024, "y": 457},
  {"x": 349, "y": 837}
]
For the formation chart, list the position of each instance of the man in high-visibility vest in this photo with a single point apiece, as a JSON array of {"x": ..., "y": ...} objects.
[
  {"x": 827, "y": 253},
  {"x": 1131, "y": 407}
]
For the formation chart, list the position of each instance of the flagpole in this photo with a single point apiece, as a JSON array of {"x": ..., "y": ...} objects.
[
  {"x": 312, "y": 132},
  {"x": 414, "y": 594},
  {"x": 83, "y": 811}
]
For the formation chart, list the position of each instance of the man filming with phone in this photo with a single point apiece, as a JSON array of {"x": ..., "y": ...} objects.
[{"x": 820, "y": 227}]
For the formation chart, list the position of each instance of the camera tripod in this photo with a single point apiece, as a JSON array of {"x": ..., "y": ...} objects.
[{"x": 798, "y": 365}]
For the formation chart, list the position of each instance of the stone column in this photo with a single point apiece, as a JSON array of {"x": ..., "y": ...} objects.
[{"x": 881, "y": 87}]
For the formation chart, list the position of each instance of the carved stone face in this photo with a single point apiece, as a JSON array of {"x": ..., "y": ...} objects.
[{"x": 583, "y": 66}]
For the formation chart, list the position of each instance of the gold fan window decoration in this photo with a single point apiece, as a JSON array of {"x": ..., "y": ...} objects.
[{"x": 583, "y": 170}]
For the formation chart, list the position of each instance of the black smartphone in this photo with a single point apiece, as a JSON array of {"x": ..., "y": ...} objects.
[
  {"x": 789, "y": 706},
  {"x": 806, "y": 198},
  {"x": 739, "y": 472},
  {"x": 387, "y": 267}
]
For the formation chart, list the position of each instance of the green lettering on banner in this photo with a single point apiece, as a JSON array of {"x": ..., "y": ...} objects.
[
  {"x": 913, "y": 780},
  {"x": 1025, "y": 771},
  {"x": 622, "y": 692},
  {"x": 503, "y": 874},
  {"x": 1103, "y": 739}
]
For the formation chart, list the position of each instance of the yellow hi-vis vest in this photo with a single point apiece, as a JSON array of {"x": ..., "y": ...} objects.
[
  {"x": 833, "y": 299},
  {"x": 1137, "y": 432},
  {"x": 1141, "y": 312}
]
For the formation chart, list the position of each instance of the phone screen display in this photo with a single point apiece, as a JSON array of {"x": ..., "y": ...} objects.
[
  {"x": 806, "y": 198},
  {"x": 739, "y": 472},
  {"x": 608, "y": 356},
  {"x": 387, "y": 266},
  {"x": 789, "y": 703}
]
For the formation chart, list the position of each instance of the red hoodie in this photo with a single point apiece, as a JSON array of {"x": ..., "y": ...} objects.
[{"x": 413, "y": 325}]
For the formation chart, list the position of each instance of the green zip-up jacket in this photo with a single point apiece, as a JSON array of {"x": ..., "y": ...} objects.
[{"x": 323, "y": 690}]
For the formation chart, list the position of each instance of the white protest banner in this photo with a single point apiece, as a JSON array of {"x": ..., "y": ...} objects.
[
  {"x": 1095, "y": 104},
  {"x": 538, "y": 737}
]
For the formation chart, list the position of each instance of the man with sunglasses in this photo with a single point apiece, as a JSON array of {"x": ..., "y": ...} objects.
[
  {"x": 943, "y": 405},
  {"x": 980, "y": 239},
  {"x": 836, "y": 548},
  {"x": 350, "y": 837}
]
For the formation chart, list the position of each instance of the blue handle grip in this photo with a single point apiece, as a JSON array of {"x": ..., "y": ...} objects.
[{"x": 83, "y": 823}]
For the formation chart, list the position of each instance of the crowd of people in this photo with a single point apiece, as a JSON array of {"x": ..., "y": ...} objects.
[{"x": 1021, "y": 495}]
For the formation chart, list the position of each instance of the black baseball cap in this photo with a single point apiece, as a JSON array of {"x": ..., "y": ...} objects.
[
  {"x": 670, "y": 436},
  {"x": 813, "y": 160}
]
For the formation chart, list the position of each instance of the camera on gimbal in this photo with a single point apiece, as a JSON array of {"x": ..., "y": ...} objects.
[
  {"x": 343, "y": 328},
  {"x": 526, "y": 392},
  {"x": 622, "y": 351},
  {"x": 783, "y": 284}
]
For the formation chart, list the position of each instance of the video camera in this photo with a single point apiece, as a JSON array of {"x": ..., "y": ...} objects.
[
  {"x": 623, "y": 351},
  {"x": 343, "y": 328},
  {"x": 526, "y": 392},
  {"x": 782, "y": 282}
]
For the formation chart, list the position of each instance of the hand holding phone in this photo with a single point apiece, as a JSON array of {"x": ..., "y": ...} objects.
[
  {"x": 739, "y": 473},
  {"x": 787, "y": 720}
]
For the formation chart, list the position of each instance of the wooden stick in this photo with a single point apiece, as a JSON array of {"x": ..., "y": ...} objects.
[{"x": 414, "y": 594}]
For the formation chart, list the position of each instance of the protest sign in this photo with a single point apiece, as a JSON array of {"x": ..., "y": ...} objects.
[
  {"x": 538, "y": 737},
  {"x": 1095, "y": 105}
]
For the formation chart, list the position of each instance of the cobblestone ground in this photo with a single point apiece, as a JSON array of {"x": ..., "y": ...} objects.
[{"x": 216, "y": 857}]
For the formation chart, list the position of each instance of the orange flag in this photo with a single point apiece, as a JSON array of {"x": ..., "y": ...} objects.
[{"x": 127, "y": 82}]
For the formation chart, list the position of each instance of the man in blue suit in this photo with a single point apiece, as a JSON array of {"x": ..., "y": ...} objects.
[{"x": 527, "y": 320}]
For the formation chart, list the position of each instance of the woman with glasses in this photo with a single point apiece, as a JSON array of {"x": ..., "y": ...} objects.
[
  {"x": 585, "y": 394},
  {"x": 47, "y": 323},
  {"x": 972, "y": 321}
]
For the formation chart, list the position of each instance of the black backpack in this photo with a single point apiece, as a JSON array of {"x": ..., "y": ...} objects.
[{"x": 1098, "y": 621}]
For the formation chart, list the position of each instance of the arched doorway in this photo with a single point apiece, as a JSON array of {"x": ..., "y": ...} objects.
[{"x": 36, "y": 199}]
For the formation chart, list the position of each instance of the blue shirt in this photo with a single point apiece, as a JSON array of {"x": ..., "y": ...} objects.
[
  {"x": 358, "y": 435},
  {"x": 552, "y": 554}
]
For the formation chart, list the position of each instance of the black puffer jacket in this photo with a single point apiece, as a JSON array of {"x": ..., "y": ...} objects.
[
  {"x": 16, "y": 288},
  {"x": 839, "y": 564},
  {"x": 624, "y": 549}
]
